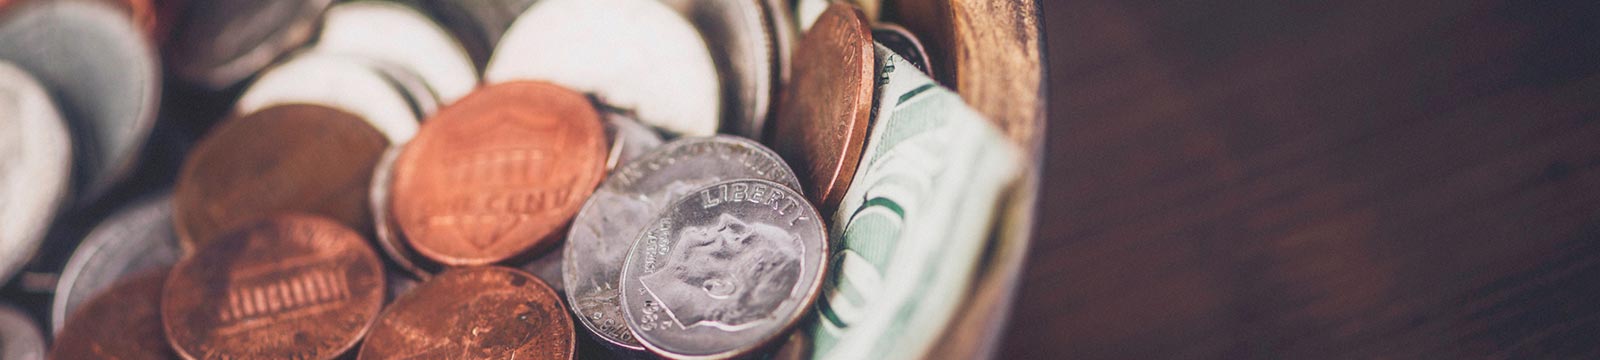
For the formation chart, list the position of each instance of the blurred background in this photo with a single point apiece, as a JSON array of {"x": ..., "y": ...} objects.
[{"x": 1309, "y": 179}]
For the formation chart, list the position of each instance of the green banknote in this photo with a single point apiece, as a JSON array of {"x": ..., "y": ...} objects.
[{"x": 908, "y": 235}]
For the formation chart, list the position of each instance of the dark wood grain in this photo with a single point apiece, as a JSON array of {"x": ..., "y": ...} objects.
[{"x": 1290, "y": 179}]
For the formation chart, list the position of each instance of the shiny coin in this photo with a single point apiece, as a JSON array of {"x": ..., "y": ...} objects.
[
  {"x": 784, "y": 35},
  {"x": 132, "y": 240},
  {"x": 902, "y": 42},
  {"x": 35, "y": 166},
  {"x": 499, "y": 173},
  {"x": 724, "y": 271},
  {"x": 474, "y": 313},
  {"x": 741, "y": 44},
  {"x": 303, "y": 158},
  {"x": 623, "y": 206},
  {"x": 222, "y": 42},
  {"x": 822, "y": 125},
  {"x": 19, "y": 336},
  {"x": 345, "y": 83},
  {"x": 109, "y": 90},
  {"x": 478, "y": 24},
  {"x": 636, "y": 55},
  {"x": 397, "y": 34},
  {"x": 122, "y": 322},
  {"x": 629, "y": 139},
  {"x": 292, "y": 286}
]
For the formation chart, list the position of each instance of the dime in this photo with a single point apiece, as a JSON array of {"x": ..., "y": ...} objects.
[
  {"x": 741, "y": 44},
  {"x": 35, "y": 166},
  {"x": 340, "y": 82},
  {"x": 136, "y": 238},
  {"x": 291, "y": 286},
  {"x": 477, "y": 24},
  {"x": 397, "y": 34},
  {"x": 122, "y": 322},
  {"x": 257, "y": 32},
  {"x": 903, "y": 43},
  {"x": 19, "y": 336},
  {"x": 109, "y": 90},
  {"x": 304, "y": 158},
  {"x": 498, "y": 173},
  {"x": 724, "y": 271},
  {"x": 823, "y": 122},
  {"x": 598, "y": 243},
  {"x": 647, "y": 59},
  {"x": 474, "y": 313}
]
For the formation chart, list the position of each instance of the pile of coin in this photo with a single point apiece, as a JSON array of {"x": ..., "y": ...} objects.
[{"x": 493, "y": 179}]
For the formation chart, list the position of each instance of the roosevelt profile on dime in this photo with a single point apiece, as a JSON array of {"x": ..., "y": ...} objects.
[{"x": 700, "y": 286}]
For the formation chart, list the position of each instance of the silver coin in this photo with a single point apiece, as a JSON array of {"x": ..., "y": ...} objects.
[
  {"x": 741, "y": 44},
  {"x": 20, "y": 337},
  {"x": 341, "y": 82},
  {"x": 104, "y": 76},
  {"x": 784, "y": 35},
  {"x": 35, "y": 166},
  {"x": 904, "y": 43},
  {"x": 222, "y": 42},
  {"x": 136, "y": 238},
  {"x": 727, "y": 269},
  {"x": 391, "y": 240},
  {"x": 635, "y": 55},
  {"x": 478, "y": 24},
  {"x": 604, "y": 230},
  {"x": 397, "y": 34},
  {"x": 629, "y": 139}
]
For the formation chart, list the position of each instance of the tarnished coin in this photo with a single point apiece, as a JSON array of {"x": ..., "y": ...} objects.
[
  {"x": 741, "y": 44},
  {"x": 122, "y": 322},
  {"x": 35, "y": 166},
  {"x": 499, "y": 173},
  {"x": 291, "y": 286},
  {"x": 478, "y": 24},
  {"x": 474, "y": 313},
  {"x": 103, "y": 75},
  {"x": 635, "y": 55},
  {"x": 902, "y": 42},
  {"x": 724, "y": 271},
  {"x": 136, "y": 238},
  {"x": 624, "y": 205},
  {"x": 822, "y": 125},
  {"x": 223, "y": 42},
  {"x": 19, "y": 336},
  {"x": 397, "y": 34},
  {"x": 340, "y": 82},
  {"x": 303, "y": 158}
]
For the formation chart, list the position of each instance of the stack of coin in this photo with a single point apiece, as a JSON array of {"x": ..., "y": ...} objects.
[{"x": 462, "y": 179}]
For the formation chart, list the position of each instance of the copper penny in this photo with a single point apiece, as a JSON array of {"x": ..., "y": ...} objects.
[
  {"x": 822, "y": 122},
  {"x": 474, "y": 313},
  {"x": 303, "y": 158},
  {"x": 499, "y": 173},
  {"x": 123, "y": 322},
  {"x": 289, "y": 287}
]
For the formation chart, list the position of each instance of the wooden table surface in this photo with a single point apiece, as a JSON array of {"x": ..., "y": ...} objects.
[{"x": 1294, "y": 179}]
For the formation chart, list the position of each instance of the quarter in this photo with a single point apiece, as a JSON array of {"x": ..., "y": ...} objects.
[
  {"x": 290, "y": 286},
  {"x": 822, "y": 125},
  {"x": 35, "y": 166},
  {"x": 258, "y": 32},
  {"x": 394, "y": 33},
  {"x": 474, "y": 313},
  {"x": 122, "y": 322},
  {"x": 477, "y": 24},
  {"x": 726, "y": 270},
  {"x": 741, "y": 43},
  {"x": 347, "y": 83},
  {"x": 136, "y": 238}
]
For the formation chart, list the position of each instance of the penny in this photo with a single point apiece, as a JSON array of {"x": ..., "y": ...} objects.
[
  {"x": 498, "y": 173},
  {"x": 257, "y": 32},
  {"x": 35, "y": 166},
  {"x": 474, "y": 313},
  {"x": 398, "y": 34},
  {"x": 741, "y": 45},
  {"x": 108, "y": 92},
  {"x": 136, "y": 238},
  {"x": 290, "y": 286},
  {"x": 903, "y": 43},
  {"x": 122, "y": 322},
  {"x": 991, "y": 53},
  {"x": 303, "y": 158},
  {"x": 388, "y": 235},
  {"x": 624, "y": 205},
  {"x": 628, "y": 69},
  {"x": 828, "y": 107},
  {"x": 724, "y": 271},
  {"x": 19, "y": 336},
  {"x": 346, "y": 83},
  {"x": 478, "y": 24}
]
